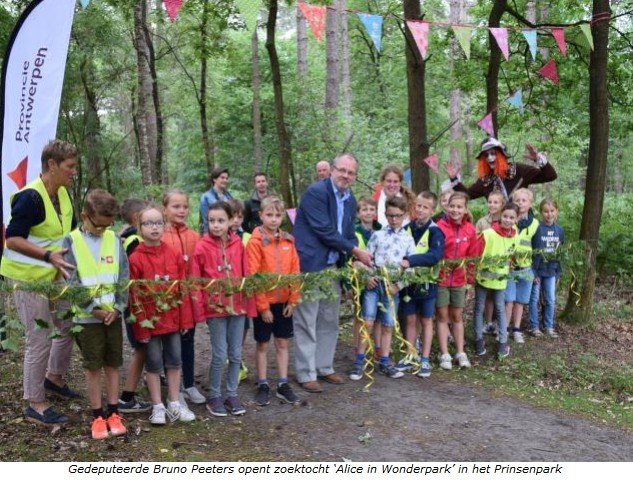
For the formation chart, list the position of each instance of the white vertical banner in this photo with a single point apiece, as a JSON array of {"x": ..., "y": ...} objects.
[{"x": 32, "y": 80}]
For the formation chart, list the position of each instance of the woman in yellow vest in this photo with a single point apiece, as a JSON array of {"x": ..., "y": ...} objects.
[
  {"x": 41, "y": 216},
  {"x": 497, "y": 244}
]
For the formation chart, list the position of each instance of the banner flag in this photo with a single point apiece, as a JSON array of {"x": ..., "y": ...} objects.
[
  {"x": 530, "y": 38},
  {"x": 420, "y": 33},
  {"x": 486, "y": 124},
  {"x": 516, "y": 100},
  {"x": 315, "y": 17},
  {"x": 292, "y": 214},
  {"x": 501, "y": 36},
  {"x": 586, "y": 29},
  {"x": 85, "y": 3},
  {"x": 559, "y": 36},
  {"x": 431, "y": 161},
  {"x": 32, "y": 80},
  {"x": 172, "y": 7},
  {"x": 373, "y": 24},
  {"x": 250, "y": 12},
  {"x": 463, "y": 35},
  {"x": 549, "y": 71}
]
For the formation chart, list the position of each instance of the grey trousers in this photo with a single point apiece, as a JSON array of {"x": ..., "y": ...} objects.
[
  {"x": 41, "y": 353},
  {"x": 316, "y": 326}
]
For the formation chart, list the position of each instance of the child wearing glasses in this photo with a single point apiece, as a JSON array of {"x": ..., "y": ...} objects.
[
  {"x": 389, "y": 246},
  {"x": 162, "y": 312},
  {"x": 100, "y": 263}
]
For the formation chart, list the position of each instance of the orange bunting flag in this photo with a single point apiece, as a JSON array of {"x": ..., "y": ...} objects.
[
  {"x": 431, "y": 161},
  {"x": 315, "y": 17},
  {"x": 501, "y": 36},
  {"x": 420, "y": 33},
  {"x": 172, "y": 7},
  {"x": 18, "y": 175},
  {"x": 559, "y": 36},
  {"x": 549, "y": 71}
]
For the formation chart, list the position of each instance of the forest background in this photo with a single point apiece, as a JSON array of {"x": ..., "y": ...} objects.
[{"x": 153, "y": 103}]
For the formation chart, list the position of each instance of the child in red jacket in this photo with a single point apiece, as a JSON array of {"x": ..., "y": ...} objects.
[
  {"x": 162, "y": 314},
  {"x": 460, "y": 242},
  {"x": 220, "y": 255}
]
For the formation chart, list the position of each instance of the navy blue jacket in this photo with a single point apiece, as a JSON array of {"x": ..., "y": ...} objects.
[
  {"x": 548, "y": 239},
  {"x": 315, "y": 228}
]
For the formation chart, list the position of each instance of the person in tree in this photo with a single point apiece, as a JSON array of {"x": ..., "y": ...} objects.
[{"x": 494, "y": 172}]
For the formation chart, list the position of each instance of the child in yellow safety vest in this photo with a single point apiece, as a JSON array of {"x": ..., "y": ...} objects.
[
  {"x": 496, "y": 244},
  {"x": 101, "y": 264}
]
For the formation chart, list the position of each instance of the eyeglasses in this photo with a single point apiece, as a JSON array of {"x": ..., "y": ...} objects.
[
  {"x": 344, "y": 171},
  {"x": 150, "y": 224},
  {"x": 394, "y": 215},
  {"x": 96, "y": 225}
]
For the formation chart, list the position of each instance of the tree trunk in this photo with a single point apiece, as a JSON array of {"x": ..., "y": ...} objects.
[
  {"x": 302, "y": 49},
  {"x": 341, "y": 6},
  {"x": 331, "y": 72},
  {"x": 282, "y": 134},
  {"x": 418, "y": 141},
  {"x": 145, "y": 100},
  {"x": 597, "y": 166},
  {"x": 494, "y": 64},
  {"x": 455, "y": 17},
  {"x": 257, "y": 116},
  {"x": 156, "y": 129},
  {"x": 207, "y": 143},
  {"x": 92, "y": 127}
]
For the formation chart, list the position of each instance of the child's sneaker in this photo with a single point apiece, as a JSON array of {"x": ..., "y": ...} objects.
[
  {"x": 480, "y": 348},
  {"x": 550, "y": 332},
  {"x": 517, "y": 336},
  {"x": 446, "y": 362},
  {"x": 180, "y": 411},
  {"x": 504, "y": 351},
  {"x": 99, "y": 428},
  {"x": 158, "y": 416},
  {"x": 389, "y": 370},
  {"x": 356, "y": 372},
  {"x": 216, "y": 408},
  {"x": 194, "y": 396},
  {"x": 535, "y": 332},
  {"x": 262, "y": 397},
  {"x": 491, "y": 329},
  {"x": 406, "y": 364},
  {"x": 425, "y": 368},
  {"x": 115, "y": 425},
  {"x": 462, "y": 360},
  {"x": 234, "y": 406},
  {"x": 284, "y": 391},
  {"x": 136, "y": 405},
  {"x": 243, "y": 372}
]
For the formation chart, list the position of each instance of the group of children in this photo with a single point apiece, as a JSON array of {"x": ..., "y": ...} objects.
[
  {"x": 157, "y": 256},
  {"x": 161, "y": 258},
  {"x": 506, "y": 256}
]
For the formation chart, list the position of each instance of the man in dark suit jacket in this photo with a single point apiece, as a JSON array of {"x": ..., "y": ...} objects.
[{"x": 324, "y": 237}]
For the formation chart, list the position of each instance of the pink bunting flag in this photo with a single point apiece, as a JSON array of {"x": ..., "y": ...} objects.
[
  {"x": 559, "y": 36},
  {"x": 431, "y": 161},
  {"x": 501, "y": 36},
  {"x": 420, "y": 33},
  {"x": 549, "y": 71},
  {"x": 292, "y": 214},
  {"x": 486, "y": 124},
  {"x": 172, "y": 7},
  {"x": 315, "y": 17}
]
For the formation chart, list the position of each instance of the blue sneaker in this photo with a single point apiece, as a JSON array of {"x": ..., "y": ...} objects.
[
  {"x": 215, "y": 407},
  {"x": 405, "y": 365},
  {"x": 47, "y": 417},
  {"x": 389, "y": 371},
  {"x": 64, "y": 392},
  {"x": 480, "y": 348},
  {"x": 356, "y": 372},
  {"x": 504, "y": 351},
  {"x": 425, "y": 368},
  {"x": 234, "y": 406}
]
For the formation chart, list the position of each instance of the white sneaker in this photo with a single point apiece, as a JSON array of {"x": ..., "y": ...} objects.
[
  {"x": 550, "y": 332},
  {"x": 462, "y": 360},
  {"x": 535, "y": 332},
  {"x": 180, "y": 411},
  {"x": 518, "y": 337},
  {"x": 158, "y": 415},
  {"x": 194, "y": 396},
  {"x": 446, "y": 362}
]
